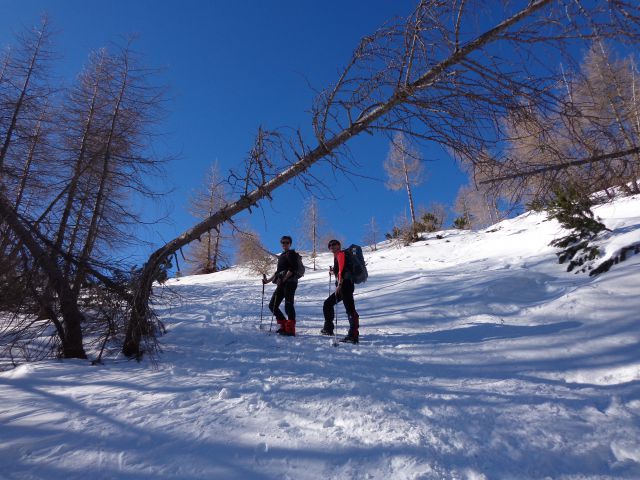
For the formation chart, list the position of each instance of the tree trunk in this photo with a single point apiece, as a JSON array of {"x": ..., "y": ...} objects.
[
  {"x": 408, "y": 185},
  {"x": 78, "y": 169},
  {"x": 216, "y": 249},
  {"x": 75, "y": 234},
  {"x": 20, "y": 102},
  {"x": 98, "y": 207},
  {"x": 27, "y": 166},
  {"x": 71, "y": 337}
]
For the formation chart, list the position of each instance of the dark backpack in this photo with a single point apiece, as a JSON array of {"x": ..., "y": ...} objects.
[
  {"x": 299, "y": 265},
  {"x": 356, "y": 264}
]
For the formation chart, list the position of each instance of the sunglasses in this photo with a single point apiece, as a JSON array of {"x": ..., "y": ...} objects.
[
  {"x": 333, "y": 244},
  {"x": 285, "y": 243}
]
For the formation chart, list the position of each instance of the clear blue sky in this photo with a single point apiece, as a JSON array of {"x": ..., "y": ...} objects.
[{"x": 230, "y": 67}]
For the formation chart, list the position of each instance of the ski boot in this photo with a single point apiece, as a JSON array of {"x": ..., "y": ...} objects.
[
  {"x": 354, "y": 325},
  {"x": 352, "y": 337},
  {"x": 289, "y": 328},
  {"x": 327, "y": 329}
]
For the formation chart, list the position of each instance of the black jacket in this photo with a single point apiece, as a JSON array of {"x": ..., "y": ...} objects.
[{"x": 287, "y": 261}]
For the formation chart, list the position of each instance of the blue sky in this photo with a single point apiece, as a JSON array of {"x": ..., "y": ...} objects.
[{"x": 230, "y": 67}]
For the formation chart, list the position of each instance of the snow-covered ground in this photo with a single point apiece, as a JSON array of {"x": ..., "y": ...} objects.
[{"x": 480, "y": 358}]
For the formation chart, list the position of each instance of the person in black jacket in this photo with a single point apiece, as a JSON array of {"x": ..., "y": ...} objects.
[
  {"x": 344, "y": 292},
  {"x": 286, "y": 281}
]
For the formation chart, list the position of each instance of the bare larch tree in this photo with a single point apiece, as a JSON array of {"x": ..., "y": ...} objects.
[
  {"x": 404, "y": 169},
  {"x": 252, "y": 254},
  {"x": 589, "y": 141},
  {"x": 372, "y": 234},
  {"x": 207, "y": 255},
  {"x": 59, "y": 223},
  {"x": 311, "y": 227}
]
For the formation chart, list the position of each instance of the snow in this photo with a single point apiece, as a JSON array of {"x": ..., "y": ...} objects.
[{"x": 480, "y": 358}]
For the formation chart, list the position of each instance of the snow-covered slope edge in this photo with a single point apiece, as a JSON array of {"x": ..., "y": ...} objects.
[{"x": 481, "y": 358}]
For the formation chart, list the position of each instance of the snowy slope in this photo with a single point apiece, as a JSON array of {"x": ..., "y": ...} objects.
[{"x": 480, "y": 358}]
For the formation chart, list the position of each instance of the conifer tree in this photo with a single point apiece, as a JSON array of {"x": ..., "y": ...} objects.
[
  {"x": 573, "y": 211},
  {"x": 462, "y": 207}
]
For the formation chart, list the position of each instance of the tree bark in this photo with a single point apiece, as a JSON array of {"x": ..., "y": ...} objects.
[
  {"x": 408, "y": 185},
  {"x": 27, "y": 166}
]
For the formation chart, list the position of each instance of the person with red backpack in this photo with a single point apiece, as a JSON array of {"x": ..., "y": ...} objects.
[
  {"x": 286, "y": 280},
  {"x": 344, "y": 292}
]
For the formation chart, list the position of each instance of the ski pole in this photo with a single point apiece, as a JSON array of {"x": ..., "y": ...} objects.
[
  {"x": 273, "y": 312},
  {"x": 330, "y": 273},
  {"x": 335, "y": 331},
  {"x": 264, "y": 277},
  {"x": 335, "y": 311},
  {"x": 334, "y": 308}
]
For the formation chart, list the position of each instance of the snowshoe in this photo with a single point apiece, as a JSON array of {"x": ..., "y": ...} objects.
[{"x": 350, "y": 339}]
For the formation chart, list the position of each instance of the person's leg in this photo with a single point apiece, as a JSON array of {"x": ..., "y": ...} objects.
[
  {"x": 289, "y": 298},
  {"x": 289, "y": 295},
  {"x": 329, "y": 314},
  {"x": 274, "y": 305},
  {"x": 350, "y": 307}
]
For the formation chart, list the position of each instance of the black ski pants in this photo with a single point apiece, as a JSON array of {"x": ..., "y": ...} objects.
[
  {"x": 287, "y": 293},
  {"x": 346, "y": 297}
]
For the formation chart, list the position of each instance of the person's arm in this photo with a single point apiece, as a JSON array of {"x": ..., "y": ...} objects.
[
  {"x": 340, "y": 258},
  {"x": 292, "y": 267},
  {"x": 341, "y": 262},
  {"x": 271, "y": 279},
  {"x": 288, "y": 274}
]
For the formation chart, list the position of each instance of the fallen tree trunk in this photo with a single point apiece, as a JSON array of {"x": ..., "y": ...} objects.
[{"x": 140, "y": 319}]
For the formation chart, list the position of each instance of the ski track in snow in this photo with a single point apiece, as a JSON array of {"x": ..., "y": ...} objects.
[{"x": 480, "y": 358}]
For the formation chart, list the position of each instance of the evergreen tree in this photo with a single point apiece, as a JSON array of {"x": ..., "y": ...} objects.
[
  {"x": 462, "y": 223},
  {"x": 573, "y": 210}
]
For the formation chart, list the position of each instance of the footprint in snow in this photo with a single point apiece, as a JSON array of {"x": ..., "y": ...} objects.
[
  {"x": 329, "y": 422},
  {"x": 262, "y": 447}
]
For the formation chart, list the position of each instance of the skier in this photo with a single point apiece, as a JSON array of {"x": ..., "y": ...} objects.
[
  {"x": 286, "y": 280},
  {"x": 344, "y": 292}
]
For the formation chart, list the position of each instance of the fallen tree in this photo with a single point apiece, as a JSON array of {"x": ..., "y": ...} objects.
[{"x": 428, "y": 77}]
